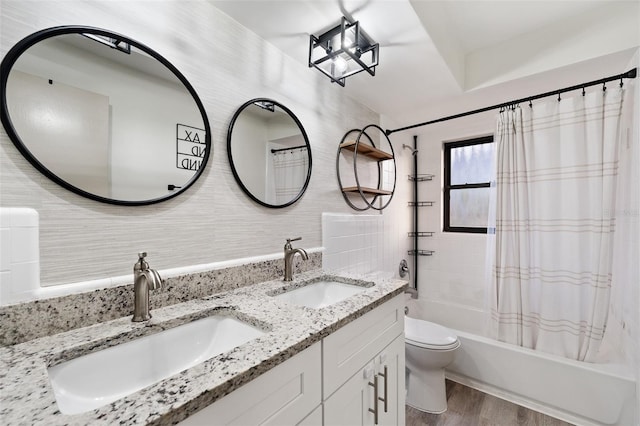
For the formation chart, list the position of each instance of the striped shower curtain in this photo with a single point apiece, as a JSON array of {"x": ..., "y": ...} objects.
[
  {"x": 554, "y": 223},
  {"x": 290, "y": 170}
]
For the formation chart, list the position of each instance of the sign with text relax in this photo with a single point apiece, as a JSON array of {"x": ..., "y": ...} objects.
[{"x": 190, "y": 147}]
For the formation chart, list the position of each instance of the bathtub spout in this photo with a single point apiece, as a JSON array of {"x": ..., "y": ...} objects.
[{"x": 412, "y": 291}]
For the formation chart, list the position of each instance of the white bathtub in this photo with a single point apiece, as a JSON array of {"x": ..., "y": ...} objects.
[{"x": 577, "y": 392}]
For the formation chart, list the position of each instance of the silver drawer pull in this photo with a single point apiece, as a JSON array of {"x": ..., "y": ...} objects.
[
  {"x": 386, "y": 389},
  {"x": 375, "y": 399}
]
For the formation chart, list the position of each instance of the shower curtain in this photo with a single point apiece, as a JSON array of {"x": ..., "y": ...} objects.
[
  {"x": 554, "y": 222},
  {"x": 290, "y": 169}
]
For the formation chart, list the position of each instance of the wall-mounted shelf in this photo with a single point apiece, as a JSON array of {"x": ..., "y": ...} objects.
[
  {"x": 365, "y": 148},
  {"x": 420, "y": 234},
  {"x": 368, "y": 191},
  {"x": 421, "y": 203},
  {"x": 421, "y": 252},
  {"x": 420, "y": 178},
  {"x": 368, "y": 150}
]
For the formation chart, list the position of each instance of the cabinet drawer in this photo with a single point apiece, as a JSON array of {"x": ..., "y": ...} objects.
[
  {"x": 284, "y": 395},
  {"x": 350, "y": 348}
]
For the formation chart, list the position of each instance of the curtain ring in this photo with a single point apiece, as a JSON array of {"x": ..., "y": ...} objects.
[
  {"x": 604, "y": 87},
  {"x": 530, "y": 104},
  {"x": 558, "y": 96},
  {"x": 583, "y": 92},
  {"x": 621, "y": 82}
]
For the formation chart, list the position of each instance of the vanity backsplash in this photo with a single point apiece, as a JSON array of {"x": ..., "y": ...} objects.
[{"x": 26, "y": 321}]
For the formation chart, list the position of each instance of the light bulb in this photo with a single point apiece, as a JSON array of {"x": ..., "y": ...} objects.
[{"x": 340, "y": 65}]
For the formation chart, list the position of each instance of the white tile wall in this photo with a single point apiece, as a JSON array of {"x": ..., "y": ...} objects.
[
  {"x": 358, "y": 244},
  {"x": 19, "y": 254}
]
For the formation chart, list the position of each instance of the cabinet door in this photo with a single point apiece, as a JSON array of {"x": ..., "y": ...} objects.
[
  {"x": 391, "y": 386},
  {"x": 354, "y": 403},
  {"x": 313, "y": 419},
  {"x": 350, "y": 404},
  {"x": 350, "y": 348}
]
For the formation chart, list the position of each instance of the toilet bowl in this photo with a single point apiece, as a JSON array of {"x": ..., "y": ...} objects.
[{"x": 429, "y": 349}]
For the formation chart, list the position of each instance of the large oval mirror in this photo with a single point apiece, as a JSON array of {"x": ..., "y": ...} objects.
[
  {"x": 103, "y": 115},
  {"x": 269, "y": 153}
]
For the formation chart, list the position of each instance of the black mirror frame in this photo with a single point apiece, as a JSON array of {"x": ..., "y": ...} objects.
[
  {"x": 20, "y": 47},
  {"x": 233, "y": 168}
]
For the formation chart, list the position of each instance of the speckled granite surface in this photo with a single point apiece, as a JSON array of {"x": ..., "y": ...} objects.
[
  {"x": 26, "y": 396},
  {"x": 25, "y": 321}
]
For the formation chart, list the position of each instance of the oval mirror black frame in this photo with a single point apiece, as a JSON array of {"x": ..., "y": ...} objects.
[
  {"x": 235, "y": 171},
  {"x": 19, "y": 48}
]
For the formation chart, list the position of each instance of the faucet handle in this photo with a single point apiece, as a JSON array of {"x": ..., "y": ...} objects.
[
  {"x": 141, "y": 264},
  {"x": 293, "y": 239}
]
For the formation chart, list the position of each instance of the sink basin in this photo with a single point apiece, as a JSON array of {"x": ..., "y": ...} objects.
[
  {"x": 99, "y": 378},
  {"x": 320, "y": 294}
]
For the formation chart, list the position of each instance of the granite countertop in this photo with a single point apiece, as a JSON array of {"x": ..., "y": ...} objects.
[{"x": 26, "y": 396}]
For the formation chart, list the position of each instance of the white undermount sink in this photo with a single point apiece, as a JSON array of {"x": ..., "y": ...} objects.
[
  {"x": 99, "y": 378},
  {"x": 320, "y": 294}
]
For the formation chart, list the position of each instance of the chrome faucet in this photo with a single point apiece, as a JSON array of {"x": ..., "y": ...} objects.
[
  {"x": 144, "y": 279},
  {"x": 289, "y": 253}
]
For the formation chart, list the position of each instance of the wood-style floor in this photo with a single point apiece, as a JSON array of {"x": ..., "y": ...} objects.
[{"x": 470, "y": 407}]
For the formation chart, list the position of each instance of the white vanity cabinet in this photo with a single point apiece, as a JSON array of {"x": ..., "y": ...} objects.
[
  {"x": 333, "y": 382},
  {"x": 288, "y": 394},
  {"x": 354, "y": 403},
  {"x": 363, "y": 369}
]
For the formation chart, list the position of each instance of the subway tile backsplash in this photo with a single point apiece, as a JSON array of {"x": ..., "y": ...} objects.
[
  {"x": 19, "y": 254},
  {"x": 357, "y": 244}
]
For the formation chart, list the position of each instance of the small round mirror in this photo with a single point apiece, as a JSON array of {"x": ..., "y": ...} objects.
[
  {"x": 103, "y": 115},
  {"x": 269, "y": 153}
]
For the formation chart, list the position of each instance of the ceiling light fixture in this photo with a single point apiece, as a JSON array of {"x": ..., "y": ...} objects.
[
  {"x": 113, "y": 43},
  {"x": 343, "y": 51}
]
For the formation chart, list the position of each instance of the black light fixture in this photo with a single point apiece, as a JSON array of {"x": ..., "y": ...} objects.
[
  {"x": 343, "y": 51},
  {"x": 266, "y": 105},
  {"x": 113, "y": 43}
]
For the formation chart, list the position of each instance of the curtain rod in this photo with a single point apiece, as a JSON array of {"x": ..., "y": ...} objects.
[
  {"x": 273, "y": 151},
  {"x": 629, "y": 74}
]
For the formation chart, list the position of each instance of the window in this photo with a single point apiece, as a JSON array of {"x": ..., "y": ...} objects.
[{"x": 467, "y": 177}]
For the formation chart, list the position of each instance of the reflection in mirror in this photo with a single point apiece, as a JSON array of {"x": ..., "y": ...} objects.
[
  {"x": 103, "y": 115},
  {"x": 269, "y": 153}
]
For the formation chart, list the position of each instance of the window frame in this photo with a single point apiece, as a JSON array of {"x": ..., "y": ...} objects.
[{"x": 447, "y": 187}]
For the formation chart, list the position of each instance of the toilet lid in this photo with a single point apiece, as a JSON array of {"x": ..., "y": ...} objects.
[{"x": 429, "y": 335}]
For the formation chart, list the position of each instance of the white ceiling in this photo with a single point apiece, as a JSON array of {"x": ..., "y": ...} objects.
[{"x": 439, "y": 51}]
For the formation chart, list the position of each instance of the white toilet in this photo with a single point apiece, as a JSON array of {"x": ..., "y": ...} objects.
[{"x": 429, "y": 349}]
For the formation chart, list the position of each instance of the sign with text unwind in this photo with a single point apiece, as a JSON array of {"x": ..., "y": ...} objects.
[{"x": 190, "y": 147}]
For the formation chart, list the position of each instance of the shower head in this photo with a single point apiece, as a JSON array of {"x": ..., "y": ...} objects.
[{"x": 413, "y": 151}]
